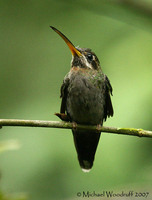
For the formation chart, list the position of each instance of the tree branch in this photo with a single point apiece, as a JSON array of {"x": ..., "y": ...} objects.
[{"x": 68, "y": 125}]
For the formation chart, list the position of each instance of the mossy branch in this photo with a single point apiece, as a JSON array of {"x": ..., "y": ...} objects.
[{"x": 68, "y": 125}]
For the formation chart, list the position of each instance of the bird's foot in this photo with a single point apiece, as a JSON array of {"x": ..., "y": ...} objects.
[
  {"x": 62, "y": 116},
  {"x": 74, "y": 126},
  {"x": 98, "y": 128}
]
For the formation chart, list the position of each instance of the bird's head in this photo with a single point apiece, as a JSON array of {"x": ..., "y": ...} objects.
[{"x": 81, "y": 57}]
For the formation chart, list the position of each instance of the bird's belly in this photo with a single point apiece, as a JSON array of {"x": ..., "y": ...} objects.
[{"x": 85, "y": 104}]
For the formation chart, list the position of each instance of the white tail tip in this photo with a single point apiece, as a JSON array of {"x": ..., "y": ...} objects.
[{"x": 86, "y": 170}]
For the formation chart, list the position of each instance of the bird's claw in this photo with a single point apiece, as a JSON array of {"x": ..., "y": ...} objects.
[
  {"x": 74, "y": 126},
  {"x": 98, "y": 128}
]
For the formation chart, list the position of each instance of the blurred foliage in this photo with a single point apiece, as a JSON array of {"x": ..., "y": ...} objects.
[
  {"x": 9, "y": 145},
  {"x": 11, "y": 197},
  {"x": 4, "y": 146},
  {"x": 34, "y": 61}
]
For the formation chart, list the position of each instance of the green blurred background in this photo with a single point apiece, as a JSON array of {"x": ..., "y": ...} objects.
[{"x": 33, "y": 63}]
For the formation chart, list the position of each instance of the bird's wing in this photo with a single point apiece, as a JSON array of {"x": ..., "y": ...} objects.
[
  {"x": 108, "y": 111},
  {"x": 64, "y": 93}
]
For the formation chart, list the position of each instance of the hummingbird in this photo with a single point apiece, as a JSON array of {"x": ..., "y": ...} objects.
[{"x": 86, "y": 99}]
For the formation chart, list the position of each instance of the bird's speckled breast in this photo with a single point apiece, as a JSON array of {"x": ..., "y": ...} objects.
[{"x": 86, "y": 96}]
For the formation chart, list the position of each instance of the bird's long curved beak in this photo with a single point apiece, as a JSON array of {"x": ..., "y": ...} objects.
[{"x": 74, "y": 51}]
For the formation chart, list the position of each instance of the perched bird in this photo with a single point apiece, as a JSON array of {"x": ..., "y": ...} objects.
[{"x": 85, "y": 94}]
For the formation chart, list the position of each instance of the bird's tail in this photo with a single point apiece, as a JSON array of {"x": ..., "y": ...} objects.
[{"x": 86, "y": 144}]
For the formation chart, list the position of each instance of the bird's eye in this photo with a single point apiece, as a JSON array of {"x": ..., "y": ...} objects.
[{"x": 90, "y": 57}]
